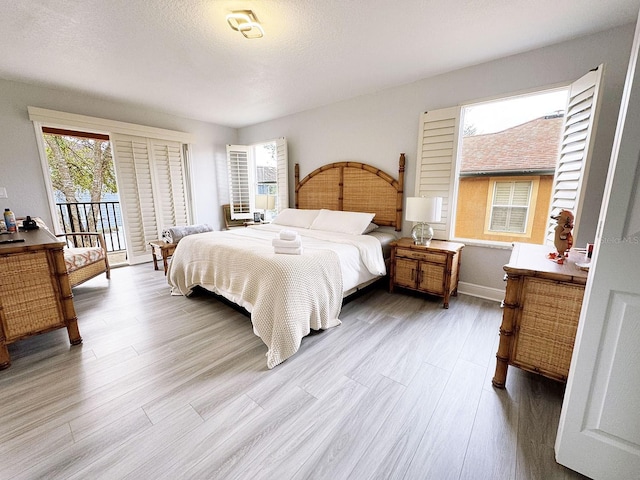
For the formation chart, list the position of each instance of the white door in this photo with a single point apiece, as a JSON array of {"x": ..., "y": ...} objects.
[{"x": 599, "y": 431}]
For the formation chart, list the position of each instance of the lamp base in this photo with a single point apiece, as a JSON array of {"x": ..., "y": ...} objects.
[{"x": 422, "y": 233}]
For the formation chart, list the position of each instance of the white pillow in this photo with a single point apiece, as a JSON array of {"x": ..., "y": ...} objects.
[
  {"x": 353, "y": 223},
  {"x": 293, "y": 217},
  {"x": 370, "y": 228}
]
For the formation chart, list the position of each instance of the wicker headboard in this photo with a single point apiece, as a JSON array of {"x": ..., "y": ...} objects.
[{"x": 354, "y": 187}]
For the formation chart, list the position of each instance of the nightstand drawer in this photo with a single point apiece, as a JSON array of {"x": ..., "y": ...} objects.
[{"x": 424, "y": 256}]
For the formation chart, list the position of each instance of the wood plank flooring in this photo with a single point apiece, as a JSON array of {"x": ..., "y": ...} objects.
[{"x": 171, "y": 387}]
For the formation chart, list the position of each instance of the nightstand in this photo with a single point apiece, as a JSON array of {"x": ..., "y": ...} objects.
[
  {"x": 161, "y": 249},
  {"x": 431, "y": 269}
]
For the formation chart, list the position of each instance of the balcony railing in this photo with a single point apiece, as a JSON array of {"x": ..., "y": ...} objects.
[{"x": 101, "y": 217}]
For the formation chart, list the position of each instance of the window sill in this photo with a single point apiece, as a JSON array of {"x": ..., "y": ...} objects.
[{"x": 472, "y": 242}]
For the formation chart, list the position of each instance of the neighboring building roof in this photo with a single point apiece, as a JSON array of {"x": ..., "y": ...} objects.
[{"x": 531, "y": 146}]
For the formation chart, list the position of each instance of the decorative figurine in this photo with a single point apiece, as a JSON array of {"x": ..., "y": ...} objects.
[{"x": 563, "y": 239}]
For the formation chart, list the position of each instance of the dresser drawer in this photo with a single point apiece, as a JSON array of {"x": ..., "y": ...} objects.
[{"x": 423, "y": 256}]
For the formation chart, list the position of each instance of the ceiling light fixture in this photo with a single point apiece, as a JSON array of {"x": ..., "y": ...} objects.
[{"x": 245, "y": 22}]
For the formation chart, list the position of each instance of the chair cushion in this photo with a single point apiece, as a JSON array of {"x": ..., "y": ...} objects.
[{"x": 75, "y": 258}]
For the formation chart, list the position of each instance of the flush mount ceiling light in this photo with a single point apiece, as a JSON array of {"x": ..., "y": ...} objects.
[{"x": 245, "y": 22}]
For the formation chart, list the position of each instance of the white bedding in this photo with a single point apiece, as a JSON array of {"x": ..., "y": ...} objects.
[{"x": 287, "y": 295}]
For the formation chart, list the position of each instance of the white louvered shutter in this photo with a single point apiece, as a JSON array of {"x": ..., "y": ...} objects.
[
  {"x": 240, "y": 181},
  {"x": 519, "y": 212},
  {"x": 135, "y": 187},
  {"x": 171, "y": 191},
  {"x": 152, "y": 188},
  {"x": 188, "y": 182},
  {"x": 510, "y": 206},
  {"x": 500, "y": 211},
  {"x": 575, "y": 152},
  {"x": 436, "y": 163},
  {"x": 282, "y": 174}
]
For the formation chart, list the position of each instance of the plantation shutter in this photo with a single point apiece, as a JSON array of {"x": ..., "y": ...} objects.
[
  {"x": 171, "y": 185},
  {"x": 521, "y": 193},
  {"x": 282, "y": 174},
  {"x": 510, "y": 206},
  {"x": 135, "y": 185},
  {"x": 151, "y": 183},
  {"x": 575, "y": 151},
  {"x": 436, "y": 163},
  {"x": 241, "y": 169},
  {"x": 240, "y": 181}
]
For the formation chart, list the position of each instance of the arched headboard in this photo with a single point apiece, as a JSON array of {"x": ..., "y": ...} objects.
[{"x": 354, "y": 187}]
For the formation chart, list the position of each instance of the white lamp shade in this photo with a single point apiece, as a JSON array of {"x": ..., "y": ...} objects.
[
  {"x": 265, "y": 202},
  {"x": 423, "y": 209}
]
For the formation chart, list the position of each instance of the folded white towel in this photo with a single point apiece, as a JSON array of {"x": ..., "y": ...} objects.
[
  {"x": 289, "y": 250},
  {"x": 276, "y": 242},
  {"x": 288, "y": 234}
]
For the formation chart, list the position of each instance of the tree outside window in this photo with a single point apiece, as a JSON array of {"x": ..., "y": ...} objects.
[{"x": 81, "y": 168}]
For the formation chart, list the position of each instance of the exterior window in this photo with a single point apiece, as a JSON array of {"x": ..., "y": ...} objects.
[
  {"x": 240, "y": 180},
  {"x": 542, "y": 137},
  {"x": 510, "y": 207},
  {"x": 258, "y": 179},
  {"x": 496, "y": 195}
]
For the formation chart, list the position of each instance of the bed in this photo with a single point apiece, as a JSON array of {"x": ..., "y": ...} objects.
[{"x": 345, "y": 214}]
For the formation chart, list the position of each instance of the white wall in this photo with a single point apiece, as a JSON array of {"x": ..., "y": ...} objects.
[
  {"x": 372, "y": 128},
  {"x": 20, "y": 166},
  {"x": 376, "y": 128}
]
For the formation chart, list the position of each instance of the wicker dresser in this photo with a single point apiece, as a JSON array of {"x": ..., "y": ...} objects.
[
  {"x": 35, "y": 294},
  {"x": 541, "y": 311}
]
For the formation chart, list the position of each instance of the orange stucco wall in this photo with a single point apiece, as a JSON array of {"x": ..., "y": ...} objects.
[{"x": 472, "y": 211}]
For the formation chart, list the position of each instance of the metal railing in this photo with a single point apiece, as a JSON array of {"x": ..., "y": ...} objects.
[{"x": 101, "y": 217}]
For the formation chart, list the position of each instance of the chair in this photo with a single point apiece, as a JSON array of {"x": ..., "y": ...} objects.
[
  {"x": 228, "y": 222},
  {"x": 83, "y": 262},
  {"x": 88, "y": 260}
]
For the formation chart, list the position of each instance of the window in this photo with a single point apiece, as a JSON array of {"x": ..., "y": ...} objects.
[
  {"x": 83, "y": 179},
  {"x": 510, "y": 206},
  {"x": 239, "y": 181},
  {"x": 259, "y": 169},
  {"x": 151, "y": 166},
  {"x": 517, "y": 138},
  {"x": 481, "y": 202}
]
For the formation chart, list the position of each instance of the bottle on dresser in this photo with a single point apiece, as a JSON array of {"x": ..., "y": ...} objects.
[{"x": 10, "y": 221}]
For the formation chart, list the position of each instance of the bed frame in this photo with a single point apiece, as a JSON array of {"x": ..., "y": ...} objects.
[{"x": 353, "y": 187}]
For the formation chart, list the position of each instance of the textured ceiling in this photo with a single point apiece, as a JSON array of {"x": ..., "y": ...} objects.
[{"x": 181, "y": 57}]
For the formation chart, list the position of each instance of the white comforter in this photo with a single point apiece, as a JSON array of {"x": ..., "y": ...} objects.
[{"x": 287, "y": 295}]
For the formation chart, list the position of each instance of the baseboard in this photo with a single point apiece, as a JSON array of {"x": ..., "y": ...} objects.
[{"x": 488, "y": 293}]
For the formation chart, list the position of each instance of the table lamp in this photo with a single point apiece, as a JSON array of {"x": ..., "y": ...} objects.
[
  {"x": 423, "y": 210},
  {"x": 265, "y": 202}
]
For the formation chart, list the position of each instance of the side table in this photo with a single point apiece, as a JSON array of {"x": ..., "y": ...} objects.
[
  {"x": 431, "y": 269},
  {"x": 161, "y": 249}
]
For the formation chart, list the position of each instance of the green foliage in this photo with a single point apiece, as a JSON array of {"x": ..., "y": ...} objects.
[
  {"x": 469, "y": 130},
  {"x": 80, "y": 165},
  {"x": 270, "y": 148}
]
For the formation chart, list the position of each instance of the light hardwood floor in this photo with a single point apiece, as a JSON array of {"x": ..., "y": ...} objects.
[{"x": 170, "y": 387}]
